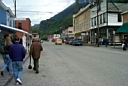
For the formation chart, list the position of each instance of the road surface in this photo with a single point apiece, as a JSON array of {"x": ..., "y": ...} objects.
[{"x": 65, "y": 65}]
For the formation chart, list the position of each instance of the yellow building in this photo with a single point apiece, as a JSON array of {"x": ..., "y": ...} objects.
[{"x": 81, "y": 24}]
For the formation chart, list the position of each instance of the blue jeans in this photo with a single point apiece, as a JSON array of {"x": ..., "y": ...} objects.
[
  {"x": 7, "y": 63},
  {"x": 17, "y": 69}
]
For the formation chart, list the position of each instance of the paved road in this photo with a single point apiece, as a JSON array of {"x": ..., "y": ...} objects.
[{"x": 65, "y": 65}]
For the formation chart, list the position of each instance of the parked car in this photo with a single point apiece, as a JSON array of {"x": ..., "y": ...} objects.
[
  {"x": 76, "y": 42},
  {"x": 58, "y": 41},
  {"x": 68, "y": 40},
  {"x": 53, "y": 40}
]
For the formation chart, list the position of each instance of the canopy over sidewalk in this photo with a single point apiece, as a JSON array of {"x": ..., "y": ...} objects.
[
  {"x": 12, "y": 29},
  {"x": 123, "y": 28}
]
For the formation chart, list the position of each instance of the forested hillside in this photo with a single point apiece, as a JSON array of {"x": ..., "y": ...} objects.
[
  {"x": 61, "y": 20},
  {"x": 64, "y": 19}
]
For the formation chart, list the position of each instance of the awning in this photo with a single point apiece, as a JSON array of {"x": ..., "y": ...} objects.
[
  {"x": 123, "y": 28},
  {"x": 4, "y": 27}
]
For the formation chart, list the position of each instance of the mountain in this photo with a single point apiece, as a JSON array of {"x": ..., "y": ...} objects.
[
  {"x": 118, "y": 1},
  {"x": 60, "y": 21}
]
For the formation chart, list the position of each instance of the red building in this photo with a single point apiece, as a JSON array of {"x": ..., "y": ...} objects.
[{"x": 24, "y": 24}]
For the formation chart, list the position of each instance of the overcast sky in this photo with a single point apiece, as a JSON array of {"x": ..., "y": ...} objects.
[{"x": 38, "y": 10}]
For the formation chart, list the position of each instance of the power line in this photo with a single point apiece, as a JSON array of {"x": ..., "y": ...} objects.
[
  {"x": 33, "y": 11},
  {"x": 40, "y": 12}
]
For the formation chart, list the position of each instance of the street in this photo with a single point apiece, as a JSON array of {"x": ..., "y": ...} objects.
[{"x": 65, "y": 65}]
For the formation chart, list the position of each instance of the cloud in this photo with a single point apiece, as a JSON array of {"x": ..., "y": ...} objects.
[{"x": 38, "y": 10}]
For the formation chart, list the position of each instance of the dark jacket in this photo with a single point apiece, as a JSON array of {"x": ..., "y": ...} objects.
[
  {"x": 17, "y": 52},
  {"x": 2, "y": 46},
  {"x": 35, "y": 49},
  {"x": 2, "y": 49},
  {"x": 6, "y": 49}
]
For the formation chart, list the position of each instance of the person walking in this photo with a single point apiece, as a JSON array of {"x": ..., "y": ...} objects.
[
  {"x": 7, "y": 61},
  {"x": 124, "y": 45},
  {"x": 35, "y": 51},
  {"x": 106, "y": 42},
  {"x": 17, "y": 54}
]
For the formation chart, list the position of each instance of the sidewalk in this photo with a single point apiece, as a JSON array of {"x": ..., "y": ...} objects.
[
  {"x": 117, "y": 48},
  {"x": 6, "y": 78}
]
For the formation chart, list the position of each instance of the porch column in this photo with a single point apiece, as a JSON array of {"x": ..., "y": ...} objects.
[{"x": 107, "y": 33}]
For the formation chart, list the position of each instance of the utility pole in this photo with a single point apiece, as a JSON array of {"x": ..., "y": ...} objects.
[
  {"x": 14, "y": 1},
  {"x": 97, "y": 12}
]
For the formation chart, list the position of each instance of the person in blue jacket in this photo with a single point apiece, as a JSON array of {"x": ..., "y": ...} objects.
[{"x": 17, "y": 54}]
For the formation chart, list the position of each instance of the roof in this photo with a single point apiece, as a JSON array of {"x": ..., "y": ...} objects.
[
  {"x": 6, "y": 8},
  {"x": 117, "y": 7},
  {"x": 82, "y": 10},
  {"x": 123, "y": 28},
  {"x": 5, "y": 27},
  {"x": 125, "y": 12}
]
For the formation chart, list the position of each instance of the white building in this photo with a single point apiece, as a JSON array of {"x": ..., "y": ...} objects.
[
  {"x": 69, "y": 32},
  {"x": 109, "y": 19}
]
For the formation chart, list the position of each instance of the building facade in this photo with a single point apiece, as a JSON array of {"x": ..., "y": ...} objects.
[
  {"x": 99, "y": 20},
  {"x": 6, "y": 18},
  {"x": 125, "y": 16},
  {"x": 68, "y": 33},
  {"x": 24, "y": 24},
  {"x": 6, "y": 15},
  {"x": 124, "y": 33},
  {"x": 106, "y": 20},
  {"x": 81, "y": 24}
]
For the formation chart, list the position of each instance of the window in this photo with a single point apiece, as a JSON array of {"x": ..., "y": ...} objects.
[
  {"x": 95, "y": 21},
  {"x": 104, "y": 17},
  {"x": 10, "y": 23},
  {"x": 101, "y": 19},
  {"x": 119, "y": 17},
  {"x": 92, "y": 22},
  {"x": 69, "y": 31},
  {"x": 20, "y": 25}
]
